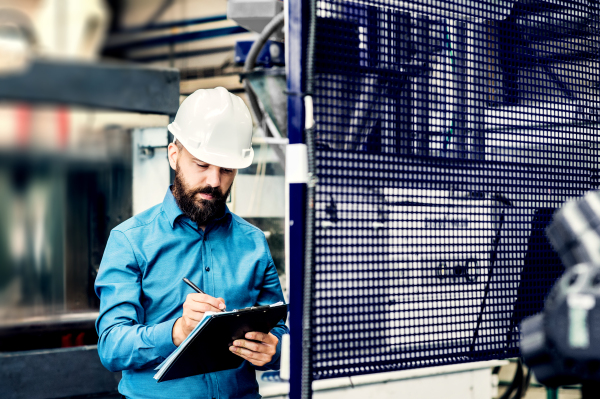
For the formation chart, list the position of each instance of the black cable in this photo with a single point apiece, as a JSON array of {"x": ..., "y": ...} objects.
[
  {"x": 522, "y": 388},
  {"x": 264, "y": 36},
  {"x": 527, "y": 382},
  {"x": 309, "y": 255},
  {"x": 516, "y": 384},
  {"x": 308, "y": 288},
  {"x": 493, "y": 257},
  {"x": 269, "y": 29}
]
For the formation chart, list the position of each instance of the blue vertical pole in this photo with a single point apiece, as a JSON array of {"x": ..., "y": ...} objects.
[
  {"x": 295, "y": 36},
  {"x": 296, "y": 232}
]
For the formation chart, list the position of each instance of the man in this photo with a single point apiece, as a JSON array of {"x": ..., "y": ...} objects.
[{"x": 146, "y": 310}]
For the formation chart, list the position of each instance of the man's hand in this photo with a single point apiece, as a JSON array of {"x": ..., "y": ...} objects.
[
  {"x": 194, "y": 308},
  {"x": 259, "y": 351}
]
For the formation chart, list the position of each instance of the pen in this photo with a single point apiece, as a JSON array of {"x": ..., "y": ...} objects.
[{"x": 194, "y": 286}]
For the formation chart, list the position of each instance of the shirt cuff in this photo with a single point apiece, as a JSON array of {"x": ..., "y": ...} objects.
[{"x": 163, "y": 338}]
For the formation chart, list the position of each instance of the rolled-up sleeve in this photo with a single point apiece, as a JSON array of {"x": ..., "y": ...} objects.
[
  {"x": 271, "y": 293},
  {"x": 125, "y": 343}
]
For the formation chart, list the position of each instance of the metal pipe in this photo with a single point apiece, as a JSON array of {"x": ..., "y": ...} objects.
[
  {"x": 276, "y": 23},
  {"x": 175, "y": 39}
]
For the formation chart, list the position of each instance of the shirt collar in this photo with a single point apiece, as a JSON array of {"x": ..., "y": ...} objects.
[
  {"x": 171, "y": 208},
  {"x": 173, "y": 212}
]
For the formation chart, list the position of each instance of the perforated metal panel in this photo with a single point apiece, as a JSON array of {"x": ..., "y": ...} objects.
[{"x": 447, "y": 134}]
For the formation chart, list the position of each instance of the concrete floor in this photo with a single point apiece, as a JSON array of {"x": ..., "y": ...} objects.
[
  {"x": 540, "y": 393},
  {"x": 535, "y": 391}
]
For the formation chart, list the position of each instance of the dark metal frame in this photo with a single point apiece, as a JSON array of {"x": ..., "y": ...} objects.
[
  {"x": 108, "y": 86},
  {"x": 468, "y": 168},
  {"x": 296, "y": 35}
]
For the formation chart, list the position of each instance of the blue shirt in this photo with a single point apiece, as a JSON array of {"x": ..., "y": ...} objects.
[{"x": 141, "y": 295}]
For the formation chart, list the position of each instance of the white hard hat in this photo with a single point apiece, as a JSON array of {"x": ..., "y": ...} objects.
[{"x": 215, "y": 126}]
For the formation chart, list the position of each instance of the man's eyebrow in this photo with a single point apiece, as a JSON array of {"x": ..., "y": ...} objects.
[{"x": 197, "y": 160}]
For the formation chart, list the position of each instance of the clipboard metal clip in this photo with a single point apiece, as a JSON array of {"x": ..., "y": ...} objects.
[{"x": 252, "y": 308}]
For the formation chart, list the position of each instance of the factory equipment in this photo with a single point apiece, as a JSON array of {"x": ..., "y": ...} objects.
[
  {"x": 561, "y": 344},
  {"x": 407, "y": 223},
  {"x": 445, "y": 136},
  {"x": 59, "y": 203}
]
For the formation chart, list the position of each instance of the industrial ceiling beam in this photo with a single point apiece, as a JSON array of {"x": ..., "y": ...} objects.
[{"x": 95, "y": 85}]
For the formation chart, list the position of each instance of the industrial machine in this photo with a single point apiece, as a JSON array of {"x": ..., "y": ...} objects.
[
  {"x": 66, "y": 179},
  {"x": 445, "y": 136},
  {"x": 426, "y": 146}
]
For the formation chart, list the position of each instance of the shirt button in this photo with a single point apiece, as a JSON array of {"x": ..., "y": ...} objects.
[{"x": 207, "y": 269}]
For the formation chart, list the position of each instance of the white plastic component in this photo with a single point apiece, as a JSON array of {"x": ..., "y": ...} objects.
[
  {"x": 270, "y": 140},
  {"x": 284, "y": 363},
  {"x": 309, "y": 120},
  {"x": 296, "y": 163},
  {"x": 150, "y": 172},
  {"x": 253, "y": 15},
  {"x": 215, "y": 126}
]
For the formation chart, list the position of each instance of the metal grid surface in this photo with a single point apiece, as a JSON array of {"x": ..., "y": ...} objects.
[{"x": 447, "y": 134}]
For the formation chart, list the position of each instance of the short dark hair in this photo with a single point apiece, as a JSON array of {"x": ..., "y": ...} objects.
[{"x": 178, "y": 144}]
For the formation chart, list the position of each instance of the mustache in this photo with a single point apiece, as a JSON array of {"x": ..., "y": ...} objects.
[{"x": 215, "y": 192}]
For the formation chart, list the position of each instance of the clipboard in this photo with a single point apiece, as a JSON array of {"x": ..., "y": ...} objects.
[{"x": 206, "y": 349}]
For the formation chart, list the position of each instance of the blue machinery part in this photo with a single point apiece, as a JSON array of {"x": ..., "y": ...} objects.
[
  {"x": 295, "y": 44},
  {"x": 175, "y": 24},
  {"x": 271, "y": 54},
  {"x": 174, "y": 39}
]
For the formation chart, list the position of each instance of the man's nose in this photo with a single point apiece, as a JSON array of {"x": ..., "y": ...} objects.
[{"x": 214, "y": 177}]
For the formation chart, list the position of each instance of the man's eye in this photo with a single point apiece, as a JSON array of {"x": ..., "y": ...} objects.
[
  {"x": 227, "y": 170},
  {"x": 202, "y": 166}
]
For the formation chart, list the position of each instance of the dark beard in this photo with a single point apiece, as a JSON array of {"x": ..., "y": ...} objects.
[{"x": 200, "y": 211}]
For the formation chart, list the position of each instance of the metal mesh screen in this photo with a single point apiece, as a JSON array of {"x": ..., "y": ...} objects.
[{"x": 447, "y": 134}]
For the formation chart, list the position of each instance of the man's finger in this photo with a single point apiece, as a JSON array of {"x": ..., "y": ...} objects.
[
  {"x": 268, "y": 339},
  {"x": 196, "y": 317},
  {"x": 218, "y": 303},
  {"x": 256, "y": 336},
  {"x": 248, "y": 354},
  {"x": 201, "y": 307},
  {"x": 222, "y": 300},
  {"x": 253, "y": 346},
  {"x": 256, "y": 362}
]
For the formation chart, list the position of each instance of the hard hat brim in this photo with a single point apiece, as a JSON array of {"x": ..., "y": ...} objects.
[{"x": 222, "y": 161}]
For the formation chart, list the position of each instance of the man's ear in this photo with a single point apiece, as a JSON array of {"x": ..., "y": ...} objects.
[{"x": 173, "y": 154}]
